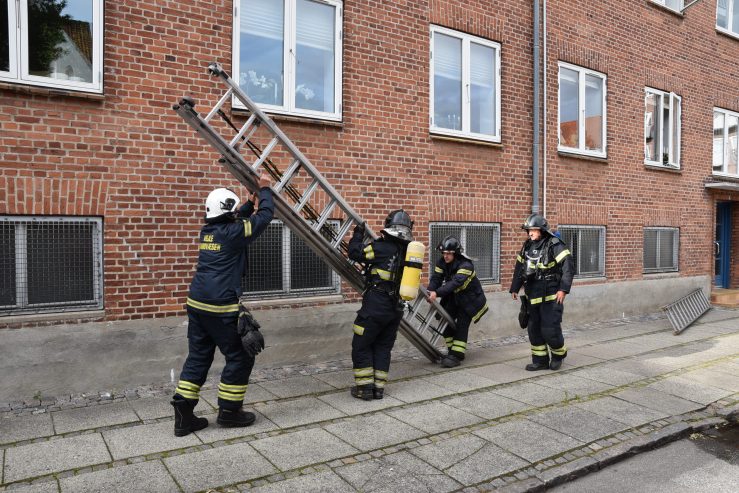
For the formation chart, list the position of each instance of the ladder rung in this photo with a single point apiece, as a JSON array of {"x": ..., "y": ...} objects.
[
  {"x": 306, "y": 196},
  {"x": 243, "y": 130},
  {"x": 265, "y": 153},
  {"x": 342, "y": 232},
  {"x": 288, "y": 175},
  {"x": 220, "y": 103},
  {"x": 325, "y": 214}
]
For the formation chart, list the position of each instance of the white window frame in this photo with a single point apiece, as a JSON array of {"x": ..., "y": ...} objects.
[
  {"x": 577, "y": 255},
  {"x": 18, "y": 51},
  {"x": 495, "y": 248},
  {"x": 673, "y": 162},
  {"x": 729, "y": 17},
  {"x": 289, "y": 48},
  {"x": 726, "y": 113},
  {"x": 663, "y": 3},
  {"x": 465, "y": 133},
  {"x": 580, "y": 149},
  {"x": 675, "y": 251}
]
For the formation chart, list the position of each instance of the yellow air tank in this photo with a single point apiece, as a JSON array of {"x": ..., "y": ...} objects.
[{"x": 411, "y": 279}]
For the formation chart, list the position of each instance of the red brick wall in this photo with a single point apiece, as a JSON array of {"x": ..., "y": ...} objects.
[{"x": 129, "y": 158}]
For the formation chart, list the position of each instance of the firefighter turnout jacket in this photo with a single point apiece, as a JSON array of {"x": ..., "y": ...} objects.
[
  {"x": 216, "y": 286},
  {"x": 543, "y": 267},
  {"x": 457, "y": 280}
]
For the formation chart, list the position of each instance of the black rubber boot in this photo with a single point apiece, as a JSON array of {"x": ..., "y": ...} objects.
[
  {"x": 555, "y": 364},
  {"x": 235, "y": 418},
  {"x": 450, "y": 361},
  {"x": 537, "y": 366},
  {"x": 378, "y": 392},
  {"x": 184, "y": 420},
  {"x": 364, "y": 392}
]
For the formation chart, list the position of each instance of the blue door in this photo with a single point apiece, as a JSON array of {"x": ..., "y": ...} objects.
[{"x": 722, "y": 244}]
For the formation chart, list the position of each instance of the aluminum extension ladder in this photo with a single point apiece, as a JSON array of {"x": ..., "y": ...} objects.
[
  {"x": 686, "y": 310},
  {"x": 304, "y": 200}
]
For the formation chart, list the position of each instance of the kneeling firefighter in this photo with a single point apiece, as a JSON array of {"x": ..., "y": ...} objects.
[
  {"x": 544, "y": 267},
  {"x": 376, "y": 325},
  {"x": 455, "y": 282}
]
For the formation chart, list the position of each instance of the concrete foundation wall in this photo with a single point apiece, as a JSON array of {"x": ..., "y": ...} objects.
[{"x": 109, "y": 356}]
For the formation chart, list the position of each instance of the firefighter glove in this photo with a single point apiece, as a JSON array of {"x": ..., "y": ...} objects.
[
  {"x": 248, "y": 330},
  {"x": 360, "y": 228},
  {"x": 523, "y": 314}
]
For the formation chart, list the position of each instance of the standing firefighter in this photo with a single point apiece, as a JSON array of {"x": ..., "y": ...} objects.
[
  {"x": 455, "y": 282},
  {"x": 213, "y": 309},
  {"x": 376, "y": 325},
  {"x": 544, "y": 267}
]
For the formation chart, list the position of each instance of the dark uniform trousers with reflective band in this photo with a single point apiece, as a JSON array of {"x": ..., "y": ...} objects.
[
  {"x": 553, "y": 263},
  {"x": 376, "y": 325},
  {"x": 212, "y": 305},
  {"x": 462, "y": 297}
]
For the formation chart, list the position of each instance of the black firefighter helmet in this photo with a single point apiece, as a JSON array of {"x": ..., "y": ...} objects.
[
  {"x": 399, "y": 225},
  {"x": 450, "y": 244},
  {"x": 535, "y": 221}
]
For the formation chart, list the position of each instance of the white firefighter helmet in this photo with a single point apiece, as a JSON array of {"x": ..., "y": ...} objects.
[{"x": 219, "y": 202}]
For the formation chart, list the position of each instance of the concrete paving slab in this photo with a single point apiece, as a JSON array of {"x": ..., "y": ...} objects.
[
  {"x": 18, "y": 428},
  {"x": 409, "y": 369},
  {"x": 49, "y": 486},
  {"x": 298, "y": 386},
  {"x": 254, "y": 393},
  {"x": 374, "y": 431},
  {"x": 88, "y": 418},
  {"x": 607, "y": 374},
  {"x": 531, "y": 393},
  {"x": 528, "y": 439},
  {"x": 434, "y": 417},
  {"x": 392, "y": 473},
  {"x": 344, "y": 402},
  {"x": 573, "y": 385},
  {"x": 214, "y": 432},
  {"x": 614, "y": 349},
  {"x": 302, "y": 448},
  {"x": 338, "y": 379},
  {"x": 297, "y": 412},
  {"x": 157, "y": 407},
  {"x": 712, "y": 378},
  {"x": 459, "y": 381},
  {"x": 139, "y": 440},
  {"x": 145, "y": 477},
  {"x": 486, "y": 404},
  {"x": 218, "y": 467},
  {"x": 689, "y": 390},
  {"x": 650, "y": 342},
  {"x": 320, "y": 482},
  {"x": 622, "y": 411},
  {"x": 659, "y": 401},
  {"x": 502, "y": 372},
  {"x": 469, "y": 459},
  {"x": 578, "y": 423},
  {"x": 38, "y": 459},
  {"x": 575, "y": 360},
  {"x": 729, "y": 367},
  {"x": 511, "y": 351},
  {"x": 646, "y": 367},
  {"x": 414, "y": 391},
  {"x": 716, "y": 314}
]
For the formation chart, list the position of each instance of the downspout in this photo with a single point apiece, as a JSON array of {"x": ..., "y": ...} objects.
[
  {"x": 544, "y": 154},
  {"x": 535, "y": 170}
]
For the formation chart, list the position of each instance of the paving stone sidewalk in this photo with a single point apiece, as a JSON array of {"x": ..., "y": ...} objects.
[{"x": 625, "y": 387}]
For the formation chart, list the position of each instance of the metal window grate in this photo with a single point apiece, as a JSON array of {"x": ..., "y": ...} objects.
[
  {"x": 588, "y": 247},
  {"x": 661, "y": 247},
  {"x": 281, "y": 265},
  {"x": 50, "y": 264},
  {"x": 481, "y": 241}
]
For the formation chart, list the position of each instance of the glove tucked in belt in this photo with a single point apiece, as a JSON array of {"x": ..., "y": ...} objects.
[
  {"x": 248, "y": 330},
  {"x": 523, "y": 314}
]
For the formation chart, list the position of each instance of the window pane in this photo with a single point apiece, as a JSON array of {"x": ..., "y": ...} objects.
[
  {"x": 7, "y": 264},
  {"x": 261, "y": 50},
  {"x": 666, "y": 249},
  {"x": 722, "y": 16},
  {"x": 264, "y": 261},
  {"x": 718, "y": 142},
  {"x": 60, "y": 39},
  {"x": 674, "y": 4},
  {"x": 481, "y": 244},
  {"x": 731, "y": 144},
  {"x": 314, "y": 84},
  {"x": 447, "y": 82},
  {"x": 60, "y": 262},
  {"x": 675, "y": 151},
  {"x": 593, "y": 113},
  {"x": 4, "y": 37},
  {"x": 590, "y": 252},
  {"x": 568, "y": 108},
  {"x": 735, "y": 17},
  {"x": 650, "y": 250},
  {"x": 307, "y": 270},
  {"x": 652, "y": 125},
  {"x": 482, "y": 89},
  {"x": 665, "y": 130}
]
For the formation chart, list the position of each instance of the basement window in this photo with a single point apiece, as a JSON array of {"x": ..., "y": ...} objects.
[
  {"x": 480, "y": 241},
  {"x": 588, "y": 247},
  {"x": 50, "y": 264},
  {"x": 661, "y": 247},
  {"x": 281, "y": 265},
  {"x": 49, "y": 43},
  {"x": 662, "y": 114},
  {"x": 465, "y": 86},
  {"x": 287, "y": 56}
]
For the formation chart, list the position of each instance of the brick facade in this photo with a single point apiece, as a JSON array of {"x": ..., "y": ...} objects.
[{"x": 127, "y": 157}]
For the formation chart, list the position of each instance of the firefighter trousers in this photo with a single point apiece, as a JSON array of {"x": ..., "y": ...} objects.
[
  {"x": 204, "y": 334},
  {"x": 545, "y": 329},
  {"x": 375, "y": 331},
  {"x": 456, "y": 339}
]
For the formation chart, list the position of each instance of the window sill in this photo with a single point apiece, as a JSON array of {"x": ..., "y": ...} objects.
[
  {"x": 584, "y": 157},
  {"x": 668, "y": 169},
  {"x": 306, "y": 300},
  {"x": 466, "y": 140},
  {"x": 725, "y": 177},
  {"x": 279, "y": 117},
  {"x": 727, "y": 33},
  {"x": 589, "y": 280},
  {"x": 660, "y": 275},
  {"x": 54, "y": 317},
  {"x": 667, "y": 9},
  {"x": 50, "y": 91},
  {"x": 492, "y": 288}
]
